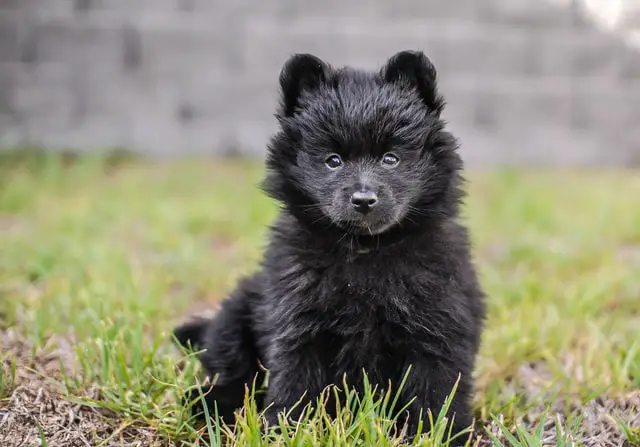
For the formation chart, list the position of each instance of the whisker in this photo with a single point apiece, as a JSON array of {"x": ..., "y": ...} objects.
[
  {"x": 346, "y": 233},
  {"x": 425, "y": 211},
  {"x": 369, "y": 230}
]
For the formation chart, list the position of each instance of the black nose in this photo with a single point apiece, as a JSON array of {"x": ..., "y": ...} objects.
[{"x": 364, "y": 201}]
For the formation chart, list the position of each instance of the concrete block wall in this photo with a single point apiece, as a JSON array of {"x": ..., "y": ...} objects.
[{"x": 527, "y": 81}]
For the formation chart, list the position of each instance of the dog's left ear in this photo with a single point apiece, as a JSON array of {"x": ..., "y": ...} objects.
[
  {"x": 414, "y": 69},
  {"x": 301, "y": 72}
]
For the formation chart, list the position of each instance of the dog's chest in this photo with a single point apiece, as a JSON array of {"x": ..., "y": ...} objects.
[
  {"x": 364, "y": 337},
  {"x": 370, "y": 306},
  {"x": 360, "y": 308}
]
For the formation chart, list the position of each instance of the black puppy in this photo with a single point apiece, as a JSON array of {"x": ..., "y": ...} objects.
[{"x": 367, "y": 267}]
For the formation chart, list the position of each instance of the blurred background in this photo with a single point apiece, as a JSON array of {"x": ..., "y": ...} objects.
[
  {"x": 554, "y": 82},
  {"x": 100, "y": 257}
]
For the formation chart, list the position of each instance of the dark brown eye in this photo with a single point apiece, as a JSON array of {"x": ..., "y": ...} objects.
[
  {"x": 333, "y": 161},
  {"x": 390, "y": 159}
]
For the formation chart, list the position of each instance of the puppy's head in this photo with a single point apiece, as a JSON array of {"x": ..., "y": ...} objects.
[{"x": 362, "y": 151}]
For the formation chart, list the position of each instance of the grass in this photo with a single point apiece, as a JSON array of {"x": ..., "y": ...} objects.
[{"x": 100, "y": 258}]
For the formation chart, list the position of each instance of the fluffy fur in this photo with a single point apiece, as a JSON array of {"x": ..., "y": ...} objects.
[{"x": 344, "y": 288}]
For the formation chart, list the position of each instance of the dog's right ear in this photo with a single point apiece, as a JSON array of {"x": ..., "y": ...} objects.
[
  {"x": 192, "y": 334},
  {"x": 415, "y": 69},
  {"x": 301, "y": 72}
]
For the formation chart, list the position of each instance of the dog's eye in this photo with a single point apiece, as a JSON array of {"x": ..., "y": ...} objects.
[
  {"x": 333, "y": 161},
  {"x": 390, "y": 159}
]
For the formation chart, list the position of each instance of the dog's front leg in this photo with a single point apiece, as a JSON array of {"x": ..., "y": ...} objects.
[
  {"x": 296, "y": 378},
  {"x": 429, "y": 385}
]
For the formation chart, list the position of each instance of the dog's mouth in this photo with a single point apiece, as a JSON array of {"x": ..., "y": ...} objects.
[
  {"x": 373, "y": 223},
  {"x": 366, "y": 227}
]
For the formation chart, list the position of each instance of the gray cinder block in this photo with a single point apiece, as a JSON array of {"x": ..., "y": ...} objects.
[{"x": 526, "y": 81}]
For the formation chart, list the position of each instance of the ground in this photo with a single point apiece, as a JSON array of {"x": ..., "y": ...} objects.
[{"x": 101, "y": 257}]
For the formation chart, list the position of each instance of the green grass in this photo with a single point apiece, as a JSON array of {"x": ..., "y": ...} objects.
[
  {"x": 7, "y": 377},
  {"x": 107, "y": 255}
]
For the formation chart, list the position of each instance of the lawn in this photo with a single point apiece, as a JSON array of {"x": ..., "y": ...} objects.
[{"x": 101, "y": 257}]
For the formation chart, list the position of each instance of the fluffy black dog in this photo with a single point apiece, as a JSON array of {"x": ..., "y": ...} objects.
[{"x": 367, "y": 267}]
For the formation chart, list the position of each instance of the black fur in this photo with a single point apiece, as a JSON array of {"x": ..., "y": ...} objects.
[{"x": 340, "y": 291}]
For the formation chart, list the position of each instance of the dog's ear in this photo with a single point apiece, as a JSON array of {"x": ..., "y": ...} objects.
[
  {"x": 192, "y": 333},
  {"x": 301, "y": 72},
  {"x": 414, "y": 69}
]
